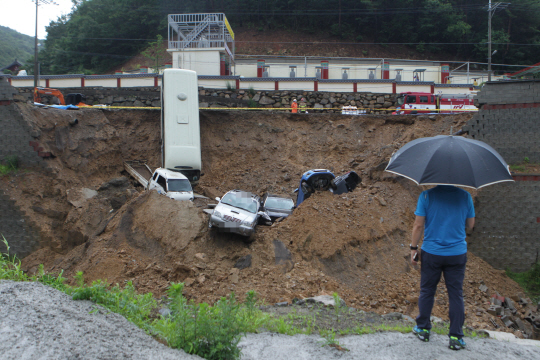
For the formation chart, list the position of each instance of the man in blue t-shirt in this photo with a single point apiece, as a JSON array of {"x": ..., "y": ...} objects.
[{"x": 442, "y": 214}]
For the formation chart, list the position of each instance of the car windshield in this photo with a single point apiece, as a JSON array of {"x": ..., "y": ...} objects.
[
  {"x": 179, "y": 185},
  {"x": 241, "y": 201},
  {"x": 401, "y": 100},
  {"x": 277, "y": 203}
]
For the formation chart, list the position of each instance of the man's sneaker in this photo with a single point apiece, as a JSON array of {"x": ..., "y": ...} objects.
[
  {"x": 456, "y": 344},
  {"x": 422, "y": 334}
]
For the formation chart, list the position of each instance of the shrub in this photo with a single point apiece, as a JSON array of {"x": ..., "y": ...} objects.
[
  {"x": 212, "y": 332},
  {"x": 12, "y": 161},
  {"x": 252, "y": 103}
]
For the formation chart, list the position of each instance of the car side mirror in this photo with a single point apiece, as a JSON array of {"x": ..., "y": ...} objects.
[
  {"x": 261, "y": 213},
  {"x": 218, "y": 199},
  {"x": 295, "y": 190}
]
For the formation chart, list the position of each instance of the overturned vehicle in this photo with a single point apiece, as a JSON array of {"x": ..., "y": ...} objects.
[{"x": 325, "y": 180}]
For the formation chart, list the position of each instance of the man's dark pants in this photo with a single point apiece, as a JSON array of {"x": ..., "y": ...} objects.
[{"x": 453, "y": 268}]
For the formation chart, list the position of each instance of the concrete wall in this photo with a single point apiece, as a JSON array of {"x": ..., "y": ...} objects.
[
  {"x": 508, "y": 215},
  {"x": 202, "y": 61}
]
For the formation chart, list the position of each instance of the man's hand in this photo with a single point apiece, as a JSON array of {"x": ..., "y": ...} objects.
[{"x": 413, "y": 253}]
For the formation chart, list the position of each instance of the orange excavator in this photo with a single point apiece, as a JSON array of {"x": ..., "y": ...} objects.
[{"x": 73, "y": 99}]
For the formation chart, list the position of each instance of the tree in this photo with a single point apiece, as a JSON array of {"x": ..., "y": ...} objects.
[{"x": 155, "y": 51}]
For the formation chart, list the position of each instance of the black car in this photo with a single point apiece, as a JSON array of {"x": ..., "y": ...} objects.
[{"x": 277, "y": 206}]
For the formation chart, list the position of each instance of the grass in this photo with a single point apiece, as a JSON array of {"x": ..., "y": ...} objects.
[
  {"x": 210, "y": 331},
  {"x": 252, "y": 103},
  {"x": 529, "y": 280},
  {"x": 11, "y": 165}
]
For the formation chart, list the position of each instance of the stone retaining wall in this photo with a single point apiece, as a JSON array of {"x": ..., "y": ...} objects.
[{"x": 139, "y": 97}]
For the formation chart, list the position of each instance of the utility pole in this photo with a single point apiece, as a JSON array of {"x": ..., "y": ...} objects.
[
  {"x": 491, "y": 10},
  {"x": 36, "y": 68}
]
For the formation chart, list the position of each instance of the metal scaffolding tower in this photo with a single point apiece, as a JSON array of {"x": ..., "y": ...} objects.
[{"x": 199, "y": 31}]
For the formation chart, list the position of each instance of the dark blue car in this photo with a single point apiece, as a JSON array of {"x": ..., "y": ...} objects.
[{"x": 323, "y": 180}]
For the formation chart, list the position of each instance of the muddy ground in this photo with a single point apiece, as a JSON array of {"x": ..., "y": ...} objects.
[{"x": 93, "y": 218}]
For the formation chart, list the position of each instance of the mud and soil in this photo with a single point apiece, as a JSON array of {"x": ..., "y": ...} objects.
[{"x": 94, "y": 219}]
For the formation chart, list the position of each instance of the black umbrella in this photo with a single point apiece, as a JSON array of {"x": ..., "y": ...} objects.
[{"x": 450, "y": 160}]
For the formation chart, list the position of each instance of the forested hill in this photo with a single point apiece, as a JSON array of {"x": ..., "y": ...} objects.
[
  {"x": 14, "y": 46},
  {"x": 100, "y": 34}
]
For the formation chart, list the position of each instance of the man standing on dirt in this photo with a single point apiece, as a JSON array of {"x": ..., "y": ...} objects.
[
  {"x": 294, "y": 106},
  {"x": 442, "y": 214},
  {"x": 303, "y": 106}
]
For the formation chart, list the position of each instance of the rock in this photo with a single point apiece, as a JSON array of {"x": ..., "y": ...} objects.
[
  {"x": 116, "y": 182},
  {"x": 380, "y": 99},
  {"x": 409, "y": 319},
  {"x": 284, "y": 303},
  {"x": 257, "y": 97},
  {"x": 324, "y": 101},
  {"x": 201, "y": 279},
  {"x": 436, "y": 320},
  {"x": 387, "y": 104},
  {"x": 265, "y": 100},
  {"x": 189, "y": 281},
  {"x": 483, "y": 288},
  {"x": 203, "y": 105},
  {"x": 286, "y": 177},
  {"x": 381, "y": 200},
  {"x": 318, "y": 106},
  {"x": 77, "y": 197},
  {"x": 243, "y": 263},
  {"x": 432, "y": 117},
  {"x": 331, "y": 100},
  {"x": 393, "y": 316},
  {"x": 164, "y": 312},
  {"x": 326, "y": 300},
  {"x": 374, "y": 304},
  {"x": 201, "y": 256}
]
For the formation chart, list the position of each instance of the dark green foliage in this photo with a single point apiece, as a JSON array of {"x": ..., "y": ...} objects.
[
  {"x": 100, "y": 34},
  {"x": 14, "y": 46}
]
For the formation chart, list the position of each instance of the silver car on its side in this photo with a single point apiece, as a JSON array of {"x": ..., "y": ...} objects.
[{"x": 237, "y": 212}]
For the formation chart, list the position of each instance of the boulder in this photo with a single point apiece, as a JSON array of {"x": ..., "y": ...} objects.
[{"x": 325, "y": 300}]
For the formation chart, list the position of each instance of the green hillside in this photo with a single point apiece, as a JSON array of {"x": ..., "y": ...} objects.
[{"x": 14, "y": 45}]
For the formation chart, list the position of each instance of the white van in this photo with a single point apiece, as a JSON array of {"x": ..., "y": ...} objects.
[
  {"x": 180, "y": 131},
  {"x": 172, "y": 184}
]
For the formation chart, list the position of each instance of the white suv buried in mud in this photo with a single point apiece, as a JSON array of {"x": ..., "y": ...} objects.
[
  {"x": 237, "y": 212},
  {"x": 172, "y": 184}
]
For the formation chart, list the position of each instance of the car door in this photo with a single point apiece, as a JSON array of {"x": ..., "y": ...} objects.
[{"x": 152, "y": 184}]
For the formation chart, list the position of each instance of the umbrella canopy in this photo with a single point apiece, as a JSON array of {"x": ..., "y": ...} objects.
[{"x": 449, "y": 160}]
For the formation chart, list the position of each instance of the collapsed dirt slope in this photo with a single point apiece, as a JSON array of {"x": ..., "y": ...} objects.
[{"x": 95, "y": 220}]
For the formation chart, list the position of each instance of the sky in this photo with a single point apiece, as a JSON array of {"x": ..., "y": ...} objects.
[{"x": 20, "y": 15}]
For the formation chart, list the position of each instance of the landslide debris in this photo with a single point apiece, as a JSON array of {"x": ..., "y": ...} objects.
[{"x": 355, "y": 244}]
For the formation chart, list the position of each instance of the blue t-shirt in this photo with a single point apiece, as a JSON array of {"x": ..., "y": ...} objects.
[{"x": 446, "y": 209}]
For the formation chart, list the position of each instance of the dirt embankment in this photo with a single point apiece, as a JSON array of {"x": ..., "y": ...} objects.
[{"x": 355, "y": 244}]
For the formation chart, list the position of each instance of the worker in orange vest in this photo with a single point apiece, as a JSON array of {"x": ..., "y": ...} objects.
[
  {"x": 303, "y": 106},
  {"x": 294, "y": 106}
]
